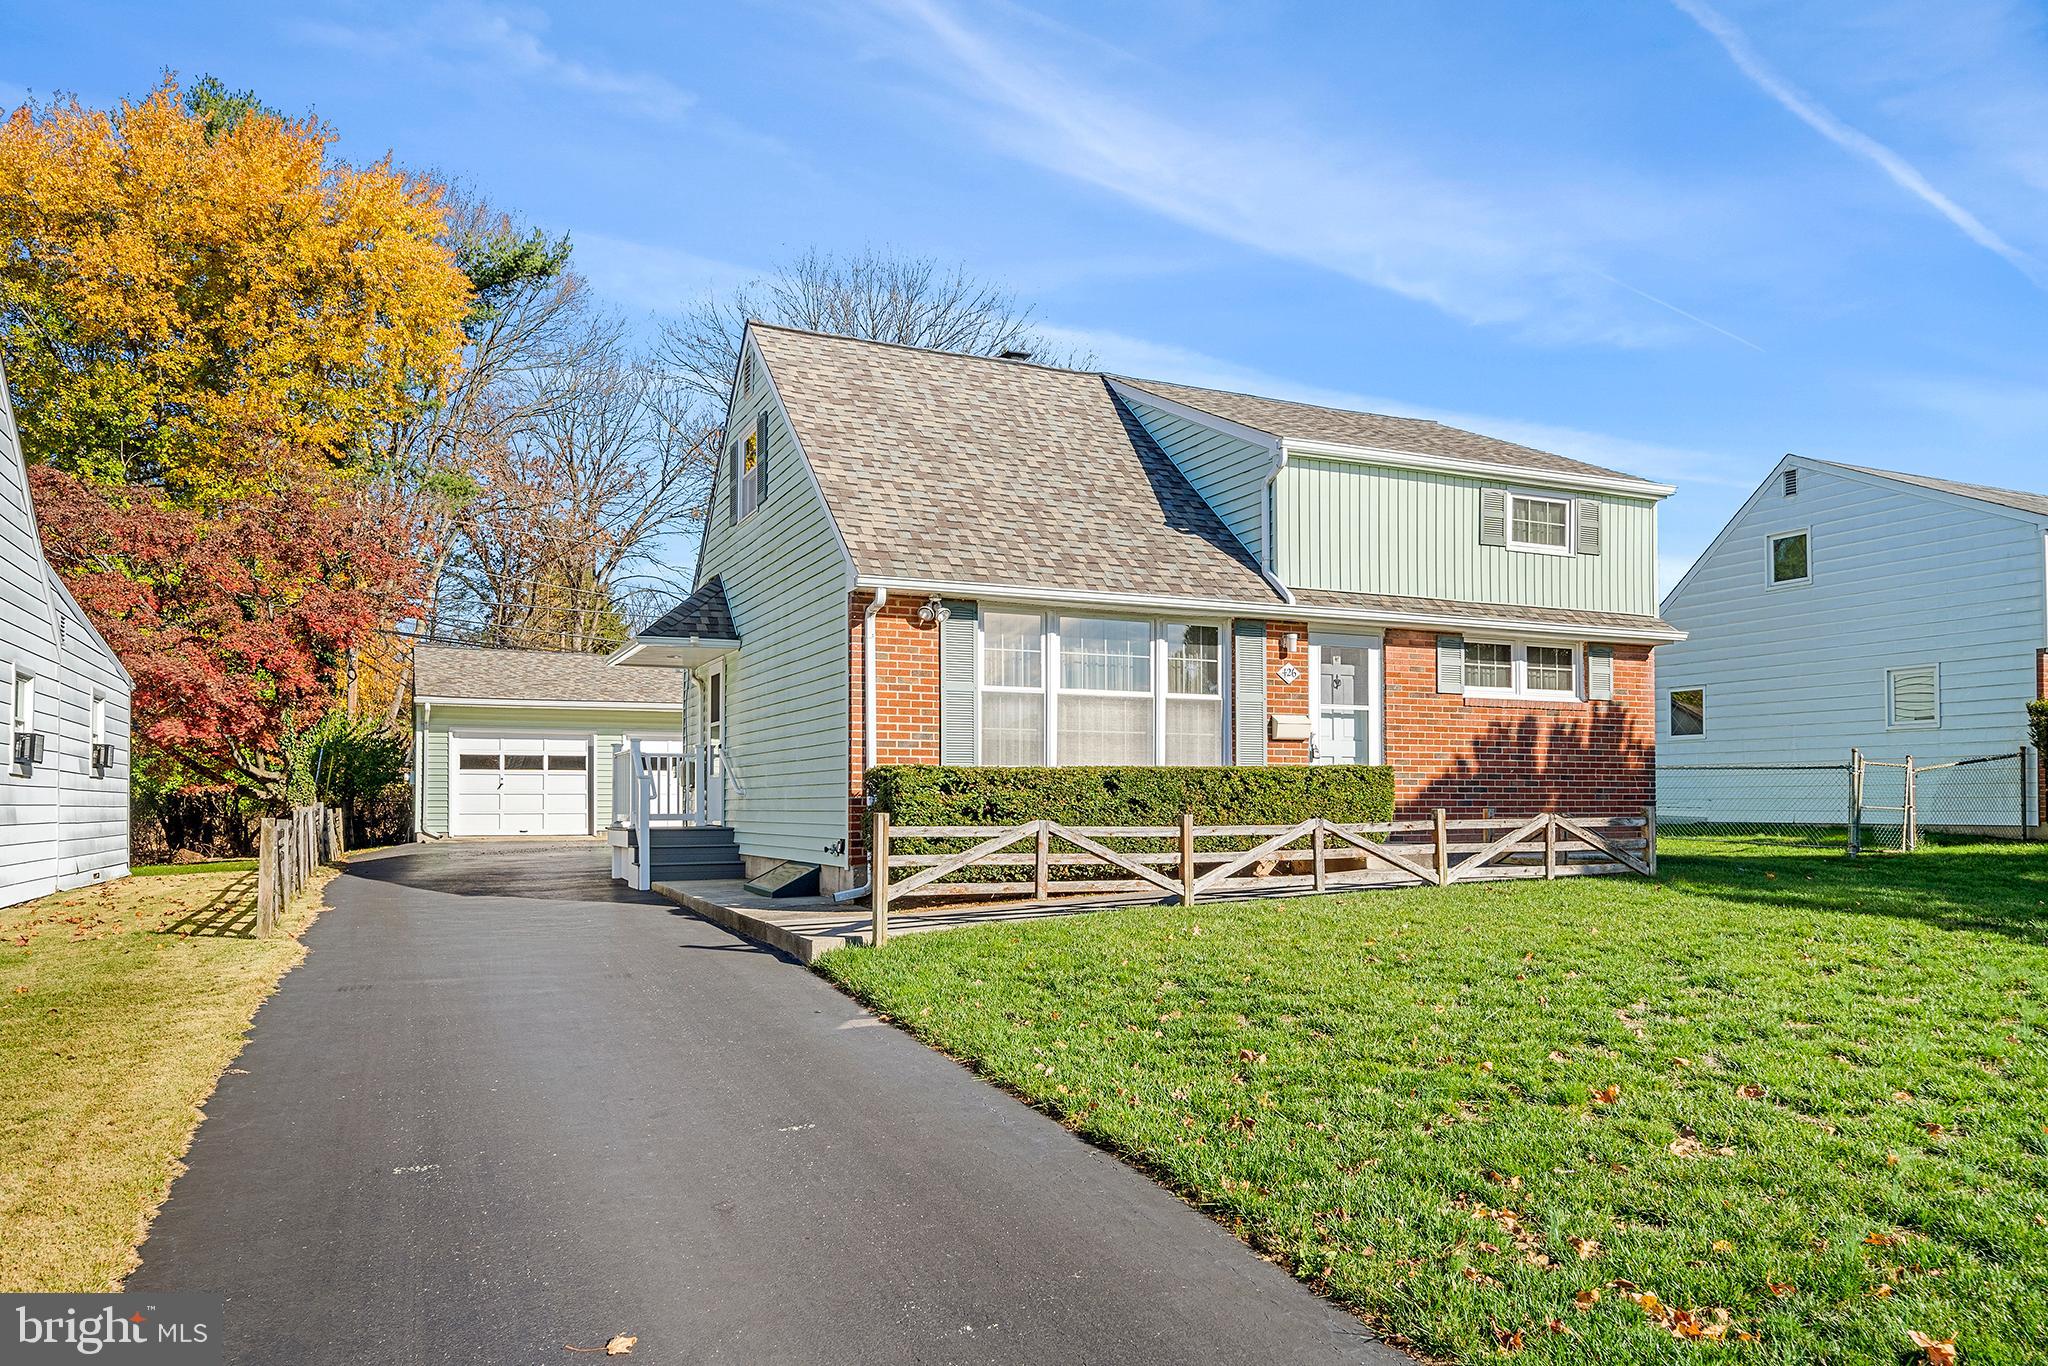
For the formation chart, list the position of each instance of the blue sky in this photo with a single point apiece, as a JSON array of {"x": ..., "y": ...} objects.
[{"x": 1674, "y": 237}]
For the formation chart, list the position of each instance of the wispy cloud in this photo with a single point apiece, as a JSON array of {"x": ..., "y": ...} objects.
[
  {"x": 1818, "y": 117},
  {"x": 1532, "y": 262},
  {"x": 642, "y": 275},
  {"x": 505, "y": 43}
]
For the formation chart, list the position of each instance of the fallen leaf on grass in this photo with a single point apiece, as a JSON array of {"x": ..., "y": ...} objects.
[
  {"x": 1723, "y": 1245},
  {"x": 1585, "y": 1300},
  {"x": 1587, "y": 1248},
  {"x": 1510, "y": 1342},
  {"x": 1938, "y": 1351},
  {"x": 1781, "y": 1288},
  {"x": 1750, "y": 1092},
  {"x": 1607, "y": 1095}
]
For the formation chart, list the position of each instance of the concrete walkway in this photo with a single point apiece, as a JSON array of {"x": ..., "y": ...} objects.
[{"x": 504, "y": 1108}]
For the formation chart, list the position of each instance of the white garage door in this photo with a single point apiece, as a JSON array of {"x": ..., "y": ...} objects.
[{"x": 520, "y": 785}]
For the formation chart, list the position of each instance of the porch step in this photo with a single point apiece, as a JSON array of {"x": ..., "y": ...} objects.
[
  {"x": 694, "y": 853},
  {"x": 697, "y": 869}
]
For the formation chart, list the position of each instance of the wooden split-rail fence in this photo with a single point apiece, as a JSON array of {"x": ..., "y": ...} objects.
[
  {"x": 1190, "y": 861},
  {"x": 289, "y": 850}
]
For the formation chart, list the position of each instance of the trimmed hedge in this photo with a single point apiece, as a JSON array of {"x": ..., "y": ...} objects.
[
  {"x": 927, "y": 794},
  {"x": 2037, "y": 721}
]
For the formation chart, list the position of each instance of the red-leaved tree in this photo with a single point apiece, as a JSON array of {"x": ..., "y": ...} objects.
[{"x": 235, "y": 622}]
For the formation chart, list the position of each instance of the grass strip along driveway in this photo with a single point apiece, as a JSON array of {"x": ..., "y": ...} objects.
[
  {"x": 120, "y": 1005},
  {"x": 1777, "y": 1106}
]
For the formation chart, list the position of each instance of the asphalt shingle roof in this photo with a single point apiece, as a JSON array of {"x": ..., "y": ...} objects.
[
  {"x": 459, "y": 671},
  {"x": 704, "y": 613},
  {"x": 966, "y": 469},
  {"x": 2021, "y": 502},
  {"x": 1478, "y": 611},
  {"x": 1341, "y": 426}
]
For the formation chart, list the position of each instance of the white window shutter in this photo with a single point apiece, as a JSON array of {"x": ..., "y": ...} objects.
[
  {"x": 1493, "y": 516},
  {"x": 958, "y": 722},
  {"x": 1248, "y": 692},
  {"x": 1589, "y": 526},
  {"x": 1600, "y": 673},
  {"x": 1450, "y": 664}
]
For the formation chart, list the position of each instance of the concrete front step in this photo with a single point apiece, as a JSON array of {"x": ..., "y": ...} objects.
[{"x": 673, "y": 869}]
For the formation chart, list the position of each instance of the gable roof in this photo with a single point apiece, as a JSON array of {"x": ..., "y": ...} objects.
[
  {"x": 2034, "y": 503},
  {"x": 703, "y": 614},
  {"x": 948, "y": 468},
  {"x": 475, "y": 672},
  {"x": 1342, "y": 427}
]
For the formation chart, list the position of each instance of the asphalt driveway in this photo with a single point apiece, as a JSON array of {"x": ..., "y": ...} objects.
[{"x": 505, "y": 1108}]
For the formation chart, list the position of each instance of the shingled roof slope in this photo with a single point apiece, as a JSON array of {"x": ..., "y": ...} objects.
[
  {"x": 1477, "y": 611},
  {"x": 703, "y": 614},
  {"x": 2034, "y": 503},
  {"x": 1343, "y": 427},
  {"x": 964, "y": 469},
  {"x": 473, "y": 671}
]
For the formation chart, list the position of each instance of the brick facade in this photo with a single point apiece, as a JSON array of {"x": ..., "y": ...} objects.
[
  {"x": 1471, "y": 755},
  {"x": 906, "y": 698},
  {"x": 1284, "y": 698}
]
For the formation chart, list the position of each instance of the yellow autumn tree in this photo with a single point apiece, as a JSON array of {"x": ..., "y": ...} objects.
[{"x": 192, "y": 285}]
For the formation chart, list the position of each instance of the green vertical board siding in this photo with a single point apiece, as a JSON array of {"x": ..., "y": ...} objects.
[
  {"x": 1228, "y": 471},
  {"x": 786, "y": 580},
  {"x": 1416, "y": 533},
  {"x": 605, "y": 727}
]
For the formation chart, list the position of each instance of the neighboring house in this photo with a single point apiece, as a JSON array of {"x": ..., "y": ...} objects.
[
  {"x": 63, "y": 714},
  {"x": 519, "y": 742},
  {"x": 914, "y": 556},
  {"x": 1847, "y": 607}
]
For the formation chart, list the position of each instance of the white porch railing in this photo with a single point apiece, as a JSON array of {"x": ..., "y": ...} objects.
[{"x": 658, "y": 784}]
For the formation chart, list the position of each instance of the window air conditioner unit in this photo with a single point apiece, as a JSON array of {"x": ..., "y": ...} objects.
[
  {"x": 28, "y": 747},
  {"x": 103, "y": 757}
]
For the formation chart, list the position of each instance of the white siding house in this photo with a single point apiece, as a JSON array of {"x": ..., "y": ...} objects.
[
  {"x": 63, "y": 818},
  {"x": 1847, "y": 607}
]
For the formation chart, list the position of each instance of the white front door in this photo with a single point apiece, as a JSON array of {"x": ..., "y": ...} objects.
[
  {"x": 713, "y": 764},
  {"x": 1344, "y": 690},
  {"x": 519, "y": 785}
]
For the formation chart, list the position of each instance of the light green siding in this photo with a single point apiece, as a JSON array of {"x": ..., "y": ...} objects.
[
  {"x": 1364, "y": 528},
  {"x": 786, "y": 581},
  {"x": 1228, "y": 471},
  {"x": 605, "y": 727}
]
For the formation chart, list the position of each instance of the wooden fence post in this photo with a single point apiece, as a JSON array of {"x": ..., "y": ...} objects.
[
  {"x": 1650, "y": 837},
  {"x": 1443, "y": 849},
  {"x": 1855, "y": 802},
  {"x": 1550, "y": 848},
  {"x": 878, "y": 880},
  {"x": 266, "y": 876},
  {"x": 1320, "y": 860},
  {"x": 1187, "y": 858},
  {"x": 1041, "y": 869}
]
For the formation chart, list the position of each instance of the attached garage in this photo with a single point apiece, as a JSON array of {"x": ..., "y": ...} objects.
[{"x": 519, "y": 742}]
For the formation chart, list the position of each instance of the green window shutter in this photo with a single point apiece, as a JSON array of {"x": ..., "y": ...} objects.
[
  {"x": 957, "y": 694},
  {"x": 1450, "y": 664},
  {"x": 1493, "y": 516},
  {"x": 1600, "y": 673},
  {"x": 1589, "y": 526},
  {"x": 732, "y": 482},
  {"x": 761, "y": 457},
  {"x": 1248, "y": 692}
]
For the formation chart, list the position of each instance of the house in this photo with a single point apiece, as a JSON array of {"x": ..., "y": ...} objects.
[
  {"x": 63, "y": 713},
  {"x": 1849, "y": 607},
  {"x": 915, "y": 556},
  {"x": 519, "y": 742}
]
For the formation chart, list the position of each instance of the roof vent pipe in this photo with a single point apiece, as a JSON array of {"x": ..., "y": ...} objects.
[{"x": 1013, "y": 355}]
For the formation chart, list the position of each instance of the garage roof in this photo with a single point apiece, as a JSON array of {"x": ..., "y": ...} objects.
[{"x": 455, "y": 673}]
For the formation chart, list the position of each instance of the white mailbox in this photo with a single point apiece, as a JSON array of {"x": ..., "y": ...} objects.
[{"x": 1280, "y": 727}]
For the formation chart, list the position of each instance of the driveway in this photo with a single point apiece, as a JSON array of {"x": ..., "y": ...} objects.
[{"x": 505, "y": 1108}]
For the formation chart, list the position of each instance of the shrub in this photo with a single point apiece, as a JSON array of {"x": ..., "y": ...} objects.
[
  {"x": 2037, "y": 721},
  {"x": 923, "y": 794}
]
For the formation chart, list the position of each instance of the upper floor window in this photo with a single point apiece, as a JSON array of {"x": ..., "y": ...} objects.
[
  {"x": 1539, "y": 523},
  {"x": 1790, "y": 558},
  {"x": 747, "y": 473},
  {"x": 1499, "y": 668}
]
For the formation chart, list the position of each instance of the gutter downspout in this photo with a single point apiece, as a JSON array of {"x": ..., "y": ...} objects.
[
  {"x": 419, "y": 787},
  {"x": 868, "y": 748},
  {"x": 1266, "y": 524}
]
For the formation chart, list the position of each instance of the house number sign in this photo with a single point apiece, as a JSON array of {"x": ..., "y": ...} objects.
[{"x": 1289, "y": 674}]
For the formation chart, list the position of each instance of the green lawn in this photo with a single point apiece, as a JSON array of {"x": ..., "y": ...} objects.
[
  {"x": 1803, "y": 1101},
  {"x": 120, "y": 1005}
]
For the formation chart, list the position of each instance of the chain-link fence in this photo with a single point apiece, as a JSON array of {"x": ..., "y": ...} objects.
[
  {"x": 1864, "y": 804},
  {"x": 1806, "y": 805}
]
